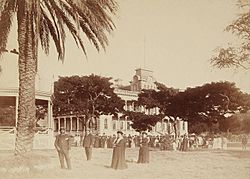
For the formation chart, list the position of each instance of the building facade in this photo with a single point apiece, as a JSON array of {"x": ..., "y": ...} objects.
[
  {"x": 44, "y": 137},
  {"x": 109, "y": 125}
]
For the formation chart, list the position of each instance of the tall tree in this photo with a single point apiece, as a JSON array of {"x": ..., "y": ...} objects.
[
  {"x": 236, "y": 56},
  {"x": 210, "y": 103},
  {"x": 40, "y": 20},
  {"x": 90, "y": 96},
  {"x": 204, "y": 107},
  {"x": 152, "y": 99}
]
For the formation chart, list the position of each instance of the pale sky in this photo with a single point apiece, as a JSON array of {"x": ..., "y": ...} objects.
[{"x": 174, "y": 38}]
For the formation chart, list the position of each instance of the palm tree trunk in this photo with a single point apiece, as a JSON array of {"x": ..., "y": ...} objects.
[{"x": 27, "y": 71}]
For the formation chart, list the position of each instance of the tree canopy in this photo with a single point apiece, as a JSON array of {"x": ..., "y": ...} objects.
[
  {"x": 41, "y": 21},
  {"x": 90, "y": 95},
  {"x": 236, "y": 55},
  {"x": 202, "y": 106}
]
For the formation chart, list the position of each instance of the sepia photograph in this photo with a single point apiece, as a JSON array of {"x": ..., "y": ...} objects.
[{"x": 124, "y": 89}]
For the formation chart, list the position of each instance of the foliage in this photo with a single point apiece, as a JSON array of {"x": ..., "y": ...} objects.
[
  {"x": 90, "y": 95},
  {"x": 142, "y": 122},
  {"x": 210, "y": 102},
  {"x": 234, "y": 56},
  {"x": 49, "y": 19},
  {"x": 198, "y": 127},
  {"x": 150, "y": 99},
  {"x": 205, "y": 107},
  {"x": 230, "y": 124},
  {"x": 41, "y": 21},
  {"x": 245, "y": 122}
]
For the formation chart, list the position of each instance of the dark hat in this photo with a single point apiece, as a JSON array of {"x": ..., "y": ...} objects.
[
  {"x": 119, "y": 132},
  {"x": 144, "y": 133}
]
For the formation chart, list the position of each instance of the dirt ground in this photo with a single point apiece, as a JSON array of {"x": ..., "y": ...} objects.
[{"x": 163, "y": 164}]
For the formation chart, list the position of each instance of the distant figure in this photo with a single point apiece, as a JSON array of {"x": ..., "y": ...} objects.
[
  {"x": 144, "y": 149},
  {"x": 103, "y": 141},
  {"x": 109, "y": 142},
  {"x": 88, "y": 142},
  {"x": 62, "y": 144},
  {"x": 118, "y": 157},
  {"x": 184, "y": 146},
  {"x": 175, "y": 144},
  {"x": 97, "y": 141},
  {"x": 77, "y": 140},
  {"x": 244, "y": 142},
  {"x": 223, "y": 143},
  {"x": 130, "y": 141}
]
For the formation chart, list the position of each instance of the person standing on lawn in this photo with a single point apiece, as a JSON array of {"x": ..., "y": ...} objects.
[
  {"x": 244, "y": 142},
  {"x": 62, "y": 145},
  {"x": 118, "y": 157},
  {"x": 144, "y": 149},
  {"x": 88, "y": 142}
]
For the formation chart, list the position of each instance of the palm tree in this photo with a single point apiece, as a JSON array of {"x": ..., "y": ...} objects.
[{"x": 39, "y": 21}]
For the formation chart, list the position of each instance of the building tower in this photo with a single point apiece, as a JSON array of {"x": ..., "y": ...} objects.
[{"x": 143, "y": 79}]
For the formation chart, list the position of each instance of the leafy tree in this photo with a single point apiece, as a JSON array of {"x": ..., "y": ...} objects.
[
  {"x": 234, "y": 56},
  {"x": 198, "y": 127},
  {"x": 230, "y": 124},
  {"x": 151, "y": 99},
  {"x": 91, "y": 96},
  {"x": 203, "y": 106},
  {"x": 41, "y": 20},
  {"x": 245, "y": 122},
  {"x": 209, "y": 103},
  {"x": 141, "y": 121}
]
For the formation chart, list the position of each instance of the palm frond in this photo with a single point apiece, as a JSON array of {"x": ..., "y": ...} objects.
[
  {"x": 53, "y": 32},
  {"x": 84, "y": 26},
  {"x": 6, "y": 22}
]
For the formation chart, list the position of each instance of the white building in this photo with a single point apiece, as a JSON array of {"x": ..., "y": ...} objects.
[
  {"x": 9, "y": 102},
  {"x": 108, "y": 124}
]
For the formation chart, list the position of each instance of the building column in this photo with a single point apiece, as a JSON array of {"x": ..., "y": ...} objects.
[
  {"x": 58, "y": 123},
  {"x": 77, "y": 124},
  {"x": 49, "y": 116},
  {"x": 71, "y": 124},
  {"x": 16, "y": 110},
  {"x": 186, "y": 127},
  {"x": 125, "y": 106},
  {"x": 50, "y": 126},
  {"x": 64, "y": 124},
  {"x": 125, "y": 125}
]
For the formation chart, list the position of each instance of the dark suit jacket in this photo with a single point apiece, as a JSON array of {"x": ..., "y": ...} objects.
[
  {"x": 88, "y": 140},
  {"x": 62, "y": 142}
]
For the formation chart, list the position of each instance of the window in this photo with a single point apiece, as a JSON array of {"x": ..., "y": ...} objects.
[
  {"x": 106, "y": 123},
  {"x": 68, "y": 125},
  {"x": 114, "y": 125},
  {"x": 121, "y": 125},
  {"x": 74, "y": 123},
  {"x": 128, "y": 125}
]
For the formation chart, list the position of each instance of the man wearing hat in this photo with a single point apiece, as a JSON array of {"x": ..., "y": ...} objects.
[
  {"x": 88, "y": 142},
  {"x": 62, "y": 144}
]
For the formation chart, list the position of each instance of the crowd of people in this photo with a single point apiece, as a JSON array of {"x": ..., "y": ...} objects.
[
  {"x": 161, "y": 142},
  {"x": 118, "y": 142},
  {"x": 144, "y": 142}
]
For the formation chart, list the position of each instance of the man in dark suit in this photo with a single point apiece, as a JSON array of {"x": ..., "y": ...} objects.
[
  {"x": 62, "y": 144},
  {"x": 88, "y": 142}
]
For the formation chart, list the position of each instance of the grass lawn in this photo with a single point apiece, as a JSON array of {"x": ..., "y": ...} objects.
[{"x": 215, "y": 164}]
